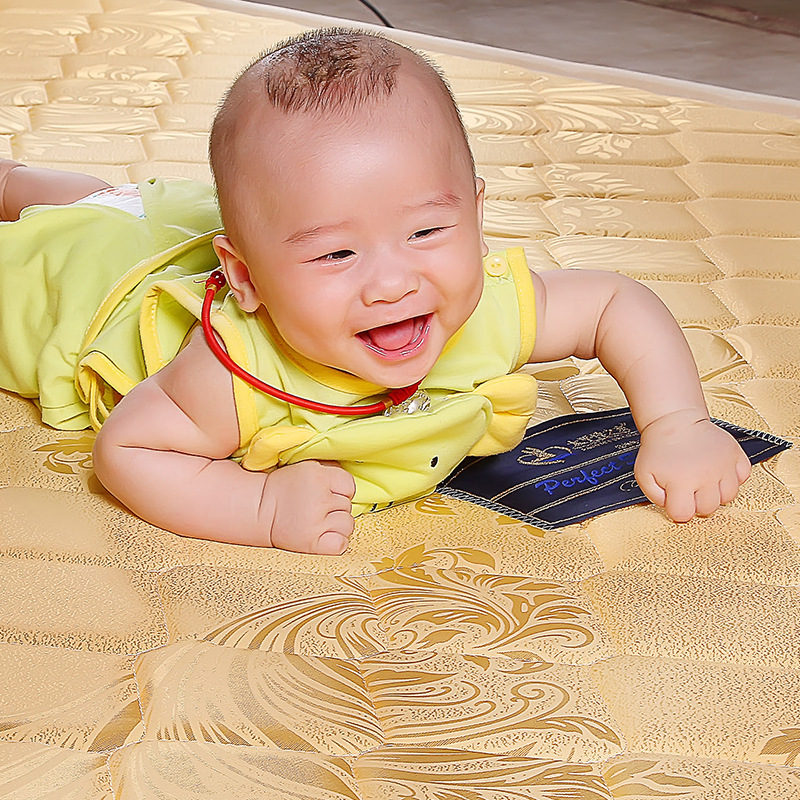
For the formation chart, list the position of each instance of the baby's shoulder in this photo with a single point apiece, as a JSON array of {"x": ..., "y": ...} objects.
[{"x": 200, "y": 386}]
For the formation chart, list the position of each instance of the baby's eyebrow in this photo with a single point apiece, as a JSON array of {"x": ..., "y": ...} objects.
[
  {"x": 443, "y": 200},
  {"x": 309, "y": 234}
]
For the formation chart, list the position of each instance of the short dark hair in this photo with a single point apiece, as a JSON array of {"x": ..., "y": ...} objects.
[{"x": 329, "y": 69}]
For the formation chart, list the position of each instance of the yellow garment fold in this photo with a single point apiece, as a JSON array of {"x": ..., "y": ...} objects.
[
  {"x": 513, "y": 399},
  {"x": 270, "y": 444}
]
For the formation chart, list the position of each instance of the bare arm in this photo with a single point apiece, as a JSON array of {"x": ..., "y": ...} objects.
[
  {"x": 164, "y": 453},
  {"x": 686, "y": 463}
]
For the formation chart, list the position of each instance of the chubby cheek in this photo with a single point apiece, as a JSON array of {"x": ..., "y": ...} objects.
[{"x": 308, "y": 315}]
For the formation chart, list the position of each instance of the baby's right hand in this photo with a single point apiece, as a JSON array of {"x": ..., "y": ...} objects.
[{"x": 311, "y": 508}]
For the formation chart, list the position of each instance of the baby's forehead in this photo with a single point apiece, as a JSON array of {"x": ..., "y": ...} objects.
[{"x": 410, "y": 133}]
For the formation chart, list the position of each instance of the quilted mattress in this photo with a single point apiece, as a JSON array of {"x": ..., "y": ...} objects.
[{"x": 452, "y": 653}]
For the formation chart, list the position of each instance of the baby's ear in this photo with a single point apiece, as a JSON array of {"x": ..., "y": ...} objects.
[
  {"x": 236, "y": 273},
  {"x": 480, "y": 190}
]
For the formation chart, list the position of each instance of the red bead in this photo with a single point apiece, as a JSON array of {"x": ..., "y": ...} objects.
[{"x": 216, "y": 280}]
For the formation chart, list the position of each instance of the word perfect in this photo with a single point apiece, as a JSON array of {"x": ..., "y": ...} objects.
[{"x": 623, "y": 461}]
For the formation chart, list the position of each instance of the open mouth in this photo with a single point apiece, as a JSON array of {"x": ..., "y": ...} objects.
[{"x": 398, "y": 339}]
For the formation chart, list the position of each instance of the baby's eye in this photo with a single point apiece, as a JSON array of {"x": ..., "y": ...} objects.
[
  {"x": 337, "y": 255},
  {"x": 425, "y": 232}
]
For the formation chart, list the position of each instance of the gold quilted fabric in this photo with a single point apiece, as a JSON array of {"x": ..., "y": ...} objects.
[{"x": 451, "y": 654}]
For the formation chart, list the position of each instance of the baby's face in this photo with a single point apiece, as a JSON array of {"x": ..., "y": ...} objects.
[{"x": 363, "y": 237}]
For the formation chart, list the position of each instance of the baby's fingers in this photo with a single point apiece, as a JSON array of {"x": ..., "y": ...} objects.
[
  {"x": 651, "y": 488},
  {"x": 334, "y": 541},
  {"x": 331, "y": 544},
  {"x": 706, "y": 500},
  {"x": 743, "y": 468},
  {"x": 680, "y": 505},
  {"x": 341, "y": 481},
  {"x": 729, "y": 487}
]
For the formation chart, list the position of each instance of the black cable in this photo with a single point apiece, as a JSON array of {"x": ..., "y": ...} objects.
[{"x": 376, "y": 13}]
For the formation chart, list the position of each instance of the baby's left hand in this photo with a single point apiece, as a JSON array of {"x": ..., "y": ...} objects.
[{"x": 689, "y": 466}]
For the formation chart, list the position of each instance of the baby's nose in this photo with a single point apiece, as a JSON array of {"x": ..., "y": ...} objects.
[{"x": 389, "y": 280}]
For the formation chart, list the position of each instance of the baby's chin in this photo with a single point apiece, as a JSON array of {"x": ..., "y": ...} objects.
[
  {"x": 394, "y": 375},
  {"x": 395, "y": 378}
]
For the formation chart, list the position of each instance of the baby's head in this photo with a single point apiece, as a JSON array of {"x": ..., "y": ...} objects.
[{"x": 353, "y": 214}]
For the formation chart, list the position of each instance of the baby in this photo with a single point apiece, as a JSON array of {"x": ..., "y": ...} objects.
[{"x": 355, "y": 264}]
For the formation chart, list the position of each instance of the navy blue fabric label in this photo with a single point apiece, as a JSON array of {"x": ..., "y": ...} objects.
[{"x": 571, "y": 468}]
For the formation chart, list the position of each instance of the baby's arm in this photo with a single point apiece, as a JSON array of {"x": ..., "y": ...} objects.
[
  {"x": 164, "y": 453},
  {"x": 686, "y": 464}
]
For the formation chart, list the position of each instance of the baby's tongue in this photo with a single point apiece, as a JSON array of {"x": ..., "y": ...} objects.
[{"x": 392, "y": 337}]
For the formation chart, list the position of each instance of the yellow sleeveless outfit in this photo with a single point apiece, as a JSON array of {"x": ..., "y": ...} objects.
[{"x": 477, "y": 406}]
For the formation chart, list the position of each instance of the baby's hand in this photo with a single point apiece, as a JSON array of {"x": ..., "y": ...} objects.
[
  {"x": 310, "y": 507},
  {"x": 689, "y": 466}
]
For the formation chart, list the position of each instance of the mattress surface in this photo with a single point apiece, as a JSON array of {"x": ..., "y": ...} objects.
[{"x": 452, "y": 653}]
